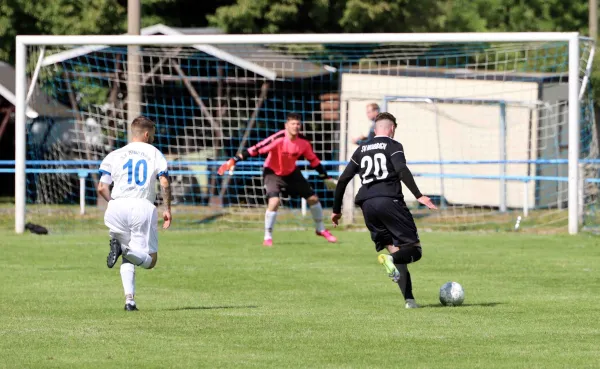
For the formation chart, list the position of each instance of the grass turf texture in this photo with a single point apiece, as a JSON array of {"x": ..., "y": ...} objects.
[
  {"x": 222, "y": 300},
  {"x": 66, "y": 219}
]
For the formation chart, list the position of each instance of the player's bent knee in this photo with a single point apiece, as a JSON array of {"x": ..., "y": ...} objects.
[
  {"x": 415, "y": 252},
  {"x": 418, "y": 253},
  {"x": 382, "y": 241},
  {"x": 407, "y": 254},
  {"x": 273, "y": 204},
  {"x": 392, "y": 249},
  {"x": 154, "y": 257},
  {"x": 312, "y": 200}
]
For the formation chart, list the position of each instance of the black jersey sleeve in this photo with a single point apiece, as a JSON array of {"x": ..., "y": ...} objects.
[
  {"x": 399, "y": 163},
  {"x": 347, "y": 175}
]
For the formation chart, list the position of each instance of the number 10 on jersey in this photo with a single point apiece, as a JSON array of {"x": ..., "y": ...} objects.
[{"x": 134, "y": 171}]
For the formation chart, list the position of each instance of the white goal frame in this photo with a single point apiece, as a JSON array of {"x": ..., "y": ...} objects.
[{"x": 23, "y": 41}]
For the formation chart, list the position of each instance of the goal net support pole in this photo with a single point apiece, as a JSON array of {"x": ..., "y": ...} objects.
[
  {"x": 502, "y": 133},
  {"x": 22, "y": 42}
]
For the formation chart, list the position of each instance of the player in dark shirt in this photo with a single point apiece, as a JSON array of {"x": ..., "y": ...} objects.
[{"x": 381, "y": 165}]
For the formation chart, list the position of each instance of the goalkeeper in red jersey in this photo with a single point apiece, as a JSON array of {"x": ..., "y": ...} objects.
[{"x": 280, "y": 173}]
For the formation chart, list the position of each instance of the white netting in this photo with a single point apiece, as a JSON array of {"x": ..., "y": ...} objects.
[{"x": 455, "y": 105}]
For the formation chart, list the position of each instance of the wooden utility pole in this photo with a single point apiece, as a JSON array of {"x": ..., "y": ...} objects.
[
  {"x": 593, "y": 19},
  {"x": 134, "y": 75}
]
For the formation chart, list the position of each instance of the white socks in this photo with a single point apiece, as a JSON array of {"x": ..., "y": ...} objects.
[
  {"x": 128, "y": 278},
  {"x": 138, "y": 258},
  {"x": 270, "y": 217},
  {"x": 317, "y": 213},
  {"x": 134, "y": 257}
]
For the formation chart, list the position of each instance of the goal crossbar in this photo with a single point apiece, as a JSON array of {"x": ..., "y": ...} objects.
[
  {"x": 338, "y": 38},
  {"x": 22, "y": 41}
]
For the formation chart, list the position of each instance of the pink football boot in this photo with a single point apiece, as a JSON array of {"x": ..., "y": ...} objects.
[{"x": 328, "y": 236}]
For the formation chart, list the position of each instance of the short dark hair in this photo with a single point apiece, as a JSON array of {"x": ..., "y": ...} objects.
[
  {"x": 294, "y": 116},
  {"x": 386, "y": 116},
  {"x": 142, "y": 124}
]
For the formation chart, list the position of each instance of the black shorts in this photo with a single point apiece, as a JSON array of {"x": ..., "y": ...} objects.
[
  {"x": 390, "y": 222},
  {"x": 294, "y": 184}
]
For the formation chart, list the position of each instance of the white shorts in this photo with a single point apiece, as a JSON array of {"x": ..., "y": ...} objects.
[{"x": 134, "y": 222}]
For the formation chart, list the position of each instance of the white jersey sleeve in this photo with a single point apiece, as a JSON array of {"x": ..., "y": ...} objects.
[
  {"x": 106, "y": 165},
  {"x": 106, "y": 169},
  {"x": 162, "y": 166},
  {"x": 134, "y": 170}
]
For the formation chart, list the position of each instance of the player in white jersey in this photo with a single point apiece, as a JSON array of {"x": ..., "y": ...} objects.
[{"x": 131, "y": 217}]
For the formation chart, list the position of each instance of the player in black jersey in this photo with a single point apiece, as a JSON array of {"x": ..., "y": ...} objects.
[{"x": 381, "y": 165}]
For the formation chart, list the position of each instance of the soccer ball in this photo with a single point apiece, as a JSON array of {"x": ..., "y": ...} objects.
[{"x": 452, "y": 294}]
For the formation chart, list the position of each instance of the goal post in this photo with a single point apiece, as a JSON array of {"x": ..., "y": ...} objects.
[
  {"x": 574, "y": 71},
  {"x": 574, "y": 135}
]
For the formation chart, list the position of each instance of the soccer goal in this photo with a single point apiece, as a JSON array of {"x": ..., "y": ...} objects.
[{"x": 498, "y": 127}]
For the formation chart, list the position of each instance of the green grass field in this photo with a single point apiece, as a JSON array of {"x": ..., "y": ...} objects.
[{"x": 218, "y": 300}]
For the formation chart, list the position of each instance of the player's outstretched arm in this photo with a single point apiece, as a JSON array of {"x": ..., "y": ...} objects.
[
  {"x": 315, "y": 163},
  {"x": 263, "y": 147},
  {"x": 347, "y": 175},
  {"x": 165, "y": 185},
  {"x": 409, "y": 181},
  {"x": 399, "y": 162}
]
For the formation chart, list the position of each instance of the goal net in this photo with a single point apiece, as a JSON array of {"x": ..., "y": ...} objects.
[{"x": 485, "y": 125}]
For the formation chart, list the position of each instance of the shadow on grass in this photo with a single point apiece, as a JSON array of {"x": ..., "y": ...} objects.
[
  {"x": 483, "y": 304},
  {"x": 213, "y": 307},
  {"x": 211, "y": 218}
]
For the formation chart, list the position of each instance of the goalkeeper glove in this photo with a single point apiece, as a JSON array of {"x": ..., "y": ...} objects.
[
  {"x": 228, "y": 166},
  {"x": 330, "y": 183}
]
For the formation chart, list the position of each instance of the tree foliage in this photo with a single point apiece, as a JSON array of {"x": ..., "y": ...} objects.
[
  {"x": 62, "y": 17},
  {"x": 286, "y": 16},
  {"x": 56, "y": 17},
  {"x": 268, "y": 16},
  {"x": 297, "y": 16},
  {"x": 319, "y": 16}
]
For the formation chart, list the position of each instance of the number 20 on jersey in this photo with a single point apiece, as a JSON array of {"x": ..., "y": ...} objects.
[{"x": 379, "y": 163}]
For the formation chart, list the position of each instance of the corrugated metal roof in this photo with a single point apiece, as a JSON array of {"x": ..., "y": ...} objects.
[
  {"x": 199, "y": 30},
  {"x": 268, "y": 63},
  {"x": 284, "y": 65},
  {"x": 40, "y": 104}
]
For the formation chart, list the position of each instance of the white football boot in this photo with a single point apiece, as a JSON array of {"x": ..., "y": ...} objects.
[{"x": 411, "y": 304}]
